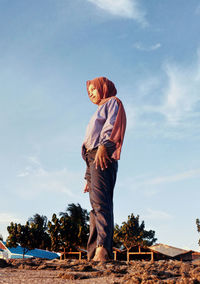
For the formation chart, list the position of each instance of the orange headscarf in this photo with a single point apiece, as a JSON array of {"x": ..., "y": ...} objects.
[{"x": 107, "y": 90}]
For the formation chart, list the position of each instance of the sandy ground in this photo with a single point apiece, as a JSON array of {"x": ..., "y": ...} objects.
[{"x": 73, "y": 271}]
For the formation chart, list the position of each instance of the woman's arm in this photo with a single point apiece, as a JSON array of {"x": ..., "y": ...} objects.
[{"x": 102, "y": 158}]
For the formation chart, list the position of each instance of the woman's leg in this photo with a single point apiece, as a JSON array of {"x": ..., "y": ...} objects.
[
  {"x": 92, "y": 241},
  {"x": 101, "y": 198}
]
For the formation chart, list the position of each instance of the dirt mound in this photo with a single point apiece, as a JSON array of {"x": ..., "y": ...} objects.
[{"x": 74, "y": 271}]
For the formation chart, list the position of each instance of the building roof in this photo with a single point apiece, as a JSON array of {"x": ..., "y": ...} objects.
[
  {"x": 42, "y": 253},
  {"x": 32, "y": 253},
  {"x": 167, "y": 250}
]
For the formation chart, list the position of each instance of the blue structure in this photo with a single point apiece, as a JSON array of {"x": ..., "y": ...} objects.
[{"x": 18, "y": 252}]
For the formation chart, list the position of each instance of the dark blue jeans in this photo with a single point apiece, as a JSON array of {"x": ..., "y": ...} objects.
[{"x": 101, "y": 185}]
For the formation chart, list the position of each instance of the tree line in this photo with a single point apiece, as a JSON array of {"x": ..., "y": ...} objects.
[{"x": 70, "y": 229}]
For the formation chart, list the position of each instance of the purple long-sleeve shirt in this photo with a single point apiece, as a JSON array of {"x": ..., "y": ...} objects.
[{"x": 101, "y": 124}]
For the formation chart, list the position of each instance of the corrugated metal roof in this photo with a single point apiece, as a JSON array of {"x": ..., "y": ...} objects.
[
  {"x": 168, "y": 250},
  {"x": 34, "y": 253},
  {"x": 42, "y": 253}
]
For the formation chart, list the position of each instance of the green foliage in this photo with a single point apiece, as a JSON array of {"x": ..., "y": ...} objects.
[
  {"x": 20, "y": 235},
  {"x": 29, "y": 236},
  {"x": 79, "y": 218},
  {"x": 116, "y": 237},
  {"x": 61, "y": 232},
  {"x": 70, "y": 230},
  {"x": 198, "y": 227},
  {"x": 54, "y": 231},
  {"x": 132, "y": 233},
  {"x": 38, "y": 224}
]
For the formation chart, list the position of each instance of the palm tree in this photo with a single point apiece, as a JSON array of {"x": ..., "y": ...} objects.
[
  {"x": 79, "y": 218},
  {"x": 38, "y": 223}
]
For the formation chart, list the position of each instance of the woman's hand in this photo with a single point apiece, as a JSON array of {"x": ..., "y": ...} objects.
[
  {"x": 86, "y": 188},
  {"x": 102, "y": 158}
]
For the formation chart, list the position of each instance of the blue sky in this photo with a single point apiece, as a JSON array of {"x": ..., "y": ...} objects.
[{"x": 151, "y": 51}]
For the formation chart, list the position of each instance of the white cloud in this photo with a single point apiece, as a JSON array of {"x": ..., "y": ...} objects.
[
  {"x": 35, "y": 180},
  {"x": 6, "y": 218},
  {"x": 182, "y": 93},
  {"x": 141, "y": 47},
  {"x": 131, "y": 115},
  {"x": 33, "y": 169},
  {"x": 149, "y": 185},
  {"x": 173, "y": 178},
  {"x": 123, "y": 8},
  {"x": 168, "y": 103},
  {"x": 197, "y": 11},
  {"x": 147, "y": 87},
  {"x": 157, "y": 215}
]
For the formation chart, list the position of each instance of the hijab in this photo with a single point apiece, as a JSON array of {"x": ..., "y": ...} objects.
[{"x": 107, "y": 90}]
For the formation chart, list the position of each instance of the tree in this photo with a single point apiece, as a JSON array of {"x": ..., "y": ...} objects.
[
  {"x": 62, "y": 233},
  {"x": 79, "y": 218},
  {"x": 68, "y": 233},
  {"x": 198, "y": 227},
  {"x": 31, "y": 235},
  {"x": 38, "y": 224},
  {"x": 54, "y": 232},
  {"x": 131, "y": 233},
  {"x": 116, "y": 237},
  {"x": 20, "y": 235},
  {"x": 70, "y": 230}
]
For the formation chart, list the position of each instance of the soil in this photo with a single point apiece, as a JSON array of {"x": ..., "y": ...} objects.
[{"x": 36, "y": 271}]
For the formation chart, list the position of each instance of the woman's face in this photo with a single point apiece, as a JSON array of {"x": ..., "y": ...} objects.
[{"x": 94, "y": 94}]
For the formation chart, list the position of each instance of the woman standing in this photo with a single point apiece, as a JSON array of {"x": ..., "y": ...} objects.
[{"x": 101, "y": 151}]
